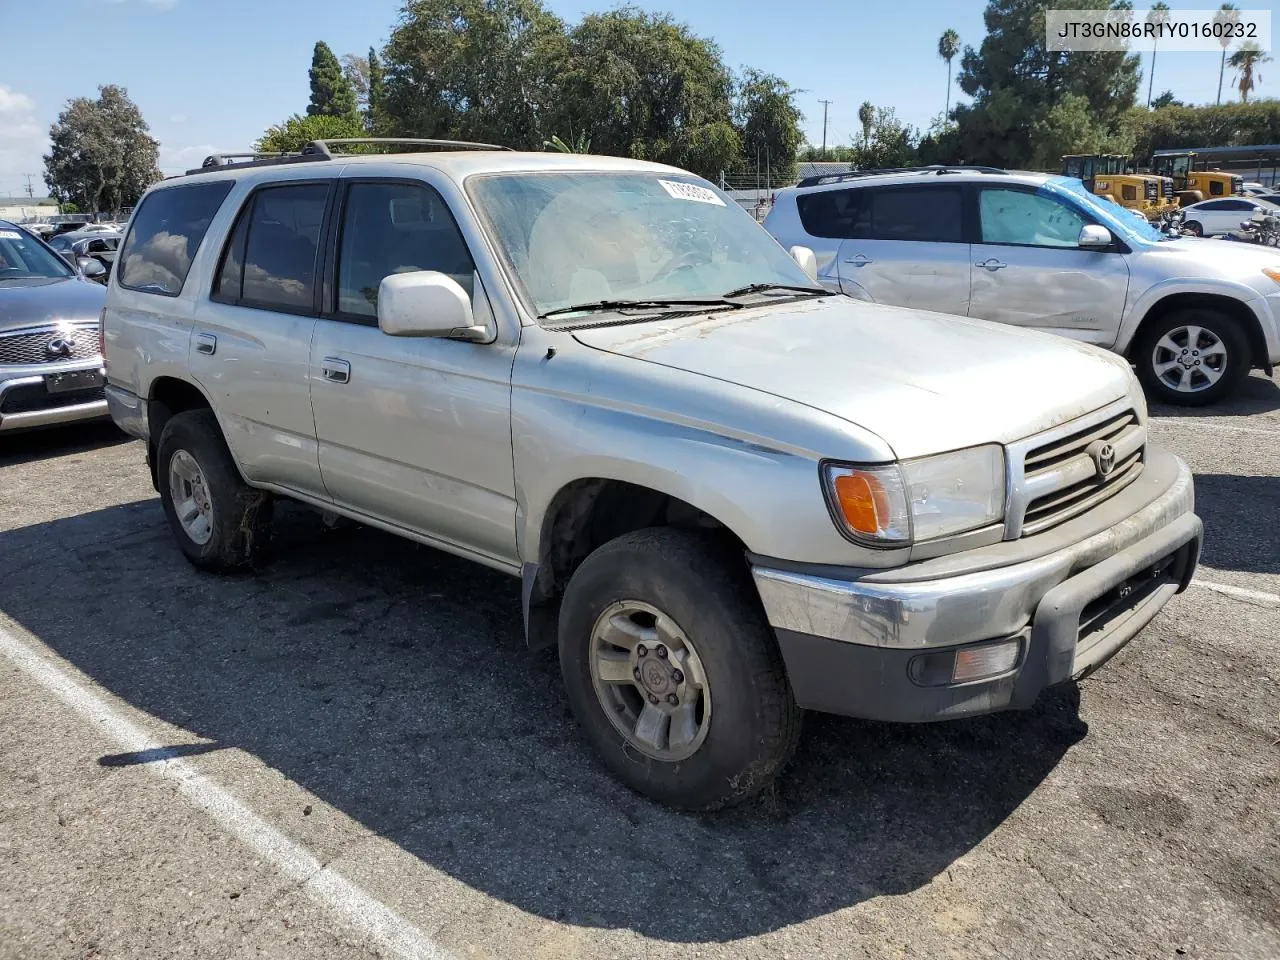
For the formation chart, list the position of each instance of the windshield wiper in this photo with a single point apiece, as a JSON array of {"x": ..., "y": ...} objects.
[
  {"x": 766, "y": 287},
  {"x": 604, "y": 306}
]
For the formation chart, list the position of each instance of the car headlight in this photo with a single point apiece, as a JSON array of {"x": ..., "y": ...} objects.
[
  {"x": 895, "y": 504},
  {"x": 1273, "y": 273}
]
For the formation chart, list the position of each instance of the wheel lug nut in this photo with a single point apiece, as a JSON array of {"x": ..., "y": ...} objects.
[
  {"x": 653, "y": 699},
  {"x": 642, "y": 650},
  {"x": 677, "y": 676},
  {"x": 672, "y": 699},
  {"x": 662, "y": 651},
  {"x": 1197, "y": 363},
  {"x": 636, "y": 673}
]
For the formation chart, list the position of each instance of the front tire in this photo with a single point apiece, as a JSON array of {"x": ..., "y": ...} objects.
[
  {"x": 673, "y": 672},
  {"x": 1194, "y": 228},
  {"x": 1192, "y": 357},
  {"x": 219, "y": 521}
]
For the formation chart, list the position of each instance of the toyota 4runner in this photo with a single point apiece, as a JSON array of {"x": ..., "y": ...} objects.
[{"x": 730, "y": 494}]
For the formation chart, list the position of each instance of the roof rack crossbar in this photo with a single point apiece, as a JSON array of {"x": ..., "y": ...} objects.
[
  {"x": 325, "y": 146},
  {"x": 936, "y": 169}
]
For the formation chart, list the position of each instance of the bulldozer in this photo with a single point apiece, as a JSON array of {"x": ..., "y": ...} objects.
[
  {"x": 1111, "y": 175},
  {"x": 1193, "y": 185}
]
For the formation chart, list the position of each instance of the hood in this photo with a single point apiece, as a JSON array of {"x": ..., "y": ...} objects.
[
  {"x": 1221, "y": 256},
  {"x": 924, "y": 382},
  {"x": 48, "y": 301}
]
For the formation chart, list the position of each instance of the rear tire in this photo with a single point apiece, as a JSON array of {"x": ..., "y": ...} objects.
[
  {"x": 1194, "y": 334},
  {"x": 1193, "y": 227},
  {"x": 219, "y": 521},
  {"x": 690, "y": 636}
]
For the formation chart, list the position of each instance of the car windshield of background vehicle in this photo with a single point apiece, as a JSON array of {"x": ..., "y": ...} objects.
[
  {"x": 575, "y": 238},
  {"x": 22, "y": 257}
]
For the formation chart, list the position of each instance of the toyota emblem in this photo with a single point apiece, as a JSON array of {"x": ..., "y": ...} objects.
[
  {"x": 60, "y": 347},
  {"x": 1104, "y": 458}
]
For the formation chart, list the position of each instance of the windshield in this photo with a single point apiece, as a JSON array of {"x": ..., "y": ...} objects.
[
  {"x": 1130, "y": 223},
  {"x": 23, "y": 257},
  {"x": 581, "y": 238}
]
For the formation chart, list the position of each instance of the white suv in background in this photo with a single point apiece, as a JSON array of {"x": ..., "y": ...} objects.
[{"x": 1039, "y": 251}]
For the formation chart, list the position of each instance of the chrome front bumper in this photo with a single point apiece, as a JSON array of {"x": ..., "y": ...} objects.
[
  {"x": 837, "y": 633},
  {"x": 47, "y": 416}
]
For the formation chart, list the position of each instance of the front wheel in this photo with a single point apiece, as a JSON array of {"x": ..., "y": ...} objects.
[
  {"x": 1192, "y": 357},
  {"x": 673, "y": 672},
  {"x": 1193, "y": 227}
]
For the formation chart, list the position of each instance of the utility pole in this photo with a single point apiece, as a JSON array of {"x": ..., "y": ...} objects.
[
  {"x": 825, "y": 104},
  {"x": 30, "y": 190}
]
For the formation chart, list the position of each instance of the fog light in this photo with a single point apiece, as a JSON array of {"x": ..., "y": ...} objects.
[{"x": 989, "y": 660}]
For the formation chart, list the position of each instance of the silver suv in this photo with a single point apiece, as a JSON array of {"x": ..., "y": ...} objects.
[
  {"x": 1039, "y": 251},
  {"x": 729, "y": 494}
]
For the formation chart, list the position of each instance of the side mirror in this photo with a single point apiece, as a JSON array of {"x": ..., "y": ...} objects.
[
  {"x": 1094, "y": 237},
  {"x": 91, "y": 268},
  {"x": 807, "y": 261},
  {"x": 426, "y": 303},
  {"x": 70, "y": 257}
]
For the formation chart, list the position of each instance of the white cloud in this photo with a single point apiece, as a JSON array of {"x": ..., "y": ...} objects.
[{"x": 12, "y": 101}]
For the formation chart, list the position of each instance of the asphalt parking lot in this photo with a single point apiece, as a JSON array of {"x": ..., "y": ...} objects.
[{"x": 350, "y": 753}]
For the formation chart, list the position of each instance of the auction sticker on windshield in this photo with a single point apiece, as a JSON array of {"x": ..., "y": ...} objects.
[
  {"x": 690, "y": 191},
  {"x": 10, "y": 235}
]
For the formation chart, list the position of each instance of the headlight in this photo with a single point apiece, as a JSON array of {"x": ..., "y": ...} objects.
[
  {"x": 1273, "y": 273},
  {"x": 896, "y": 504}
]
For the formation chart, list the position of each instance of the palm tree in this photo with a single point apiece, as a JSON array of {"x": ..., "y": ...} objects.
[
  {"x": 866, "y": 116},
  {"x": 1158, "y": 15},
  {"x": 948, "y": 47},
  {"x": 1243, "y": 62},
  {"x": 1228, "y": 15}
]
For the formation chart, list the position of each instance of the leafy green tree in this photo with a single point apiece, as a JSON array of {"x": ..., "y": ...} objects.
[
  {"x": 1245, "y": 61},
  {"x": 376, "y": 104},
  {"x": 1166, "y": 99},
  {"x": 296, "y": 132},
  {"x": 768, "y": 122},
  {"x": 101, "y": 156},
  {"x": 1228, "y": 15},
  {"x": 948, "y": 47},
  {"x": 476, "y": 70},
  {"x": 356, "y": 69},
  {"x": 891, "y": 144},
  {"x": 1015, "y": 81},
  {"x": 331, "y": 91},
  {"x": 866, "y": 117}
]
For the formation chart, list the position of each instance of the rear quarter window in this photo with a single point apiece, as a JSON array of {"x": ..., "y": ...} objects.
[{"x": 166, "y": 233}]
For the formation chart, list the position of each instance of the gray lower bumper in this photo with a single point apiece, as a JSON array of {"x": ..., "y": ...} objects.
[
  {"x": 45, "y": 416},
  {"x": 849, "y": 646}
]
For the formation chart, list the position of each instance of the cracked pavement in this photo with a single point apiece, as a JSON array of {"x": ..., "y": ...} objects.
[{"x": 372, "y": 700}]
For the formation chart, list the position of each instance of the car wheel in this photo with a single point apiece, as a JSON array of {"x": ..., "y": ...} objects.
[
  {"x": 219, "y": 521},
  {"x": 1194, "y": 228},
  {"x": 1193, "y": 357},
  {"x": 673, "y": 672}
]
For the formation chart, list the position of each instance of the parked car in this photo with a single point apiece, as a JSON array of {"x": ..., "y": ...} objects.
[
  {"x": 1039, "y": 251},
  {"x": 729, "y": 494},
  {"x": 1252, "y": 188},
  {"x": 50, "y": 361},
  {"x": 96, "y": 245},
  {"x": 1210, "y": 218}
]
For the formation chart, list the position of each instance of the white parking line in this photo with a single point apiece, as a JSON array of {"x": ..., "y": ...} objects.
[
  {"x": 344, "y": 901},
  {"x": 1239, "y": 593}
]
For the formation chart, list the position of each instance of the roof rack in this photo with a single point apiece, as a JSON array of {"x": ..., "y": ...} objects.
[
  {"x": 320, "y": 150},
  {"x": 936, "y": 169}
]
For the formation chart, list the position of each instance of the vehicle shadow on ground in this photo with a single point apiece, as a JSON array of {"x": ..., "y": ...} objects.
[
  {"x": 392, "y": 681},
  {"x": 1258, "y": 394},
  {"x": 32, "y": 445},
  {"x": 1237, "y": 537}
]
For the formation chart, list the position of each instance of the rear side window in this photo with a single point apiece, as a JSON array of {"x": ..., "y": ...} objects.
[
  {"x": 270, "y": 260},
  {"x": 840, "y": 214},
  {"x": 929, "y": 214},
  {"x": 165, "y": 236}
]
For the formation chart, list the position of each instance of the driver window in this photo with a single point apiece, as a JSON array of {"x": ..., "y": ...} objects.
[
  {"x": 1027, "y": 219},
  {"x": 390, "y": 228}
]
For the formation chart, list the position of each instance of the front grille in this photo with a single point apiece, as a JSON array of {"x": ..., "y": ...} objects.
[
  {"x": 32, "y": 346},
  {"x": 31, "y": 397},
  {"x": 1150, "y": 189},
  {"x": 1166, "y": 187},
  {"x": 1065, "y": 477}
]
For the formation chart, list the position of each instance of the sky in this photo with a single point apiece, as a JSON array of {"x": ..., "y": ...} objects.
[{"x": 212, "y": 75}]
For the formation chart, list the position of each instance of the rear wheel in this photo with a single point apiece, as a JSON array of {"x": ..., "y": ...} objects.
[
  {"x": 1193, "y": 357},
  {"x": 219, "y": 521},
  {"x": 673, "y": 672},
  {"x": 1194, "y": 228}
]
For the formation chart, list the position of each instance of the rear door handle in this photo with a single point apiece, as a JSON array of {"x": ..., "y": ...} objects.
[
  {"x": 335, "y": 370},
  {"x": 991, "y": 263},
  {"x": 861, "y": 260},
  {"x": 206, "y": 343}
]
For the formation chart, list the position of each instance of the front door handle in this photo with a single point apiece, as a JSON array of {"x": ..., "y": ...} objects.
[
  {"x": 335, "y": 370},
  {"x": 206, "y": 343},
  {"x": 861, "y": 260},
  {"x": 991, "y": 263}
]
